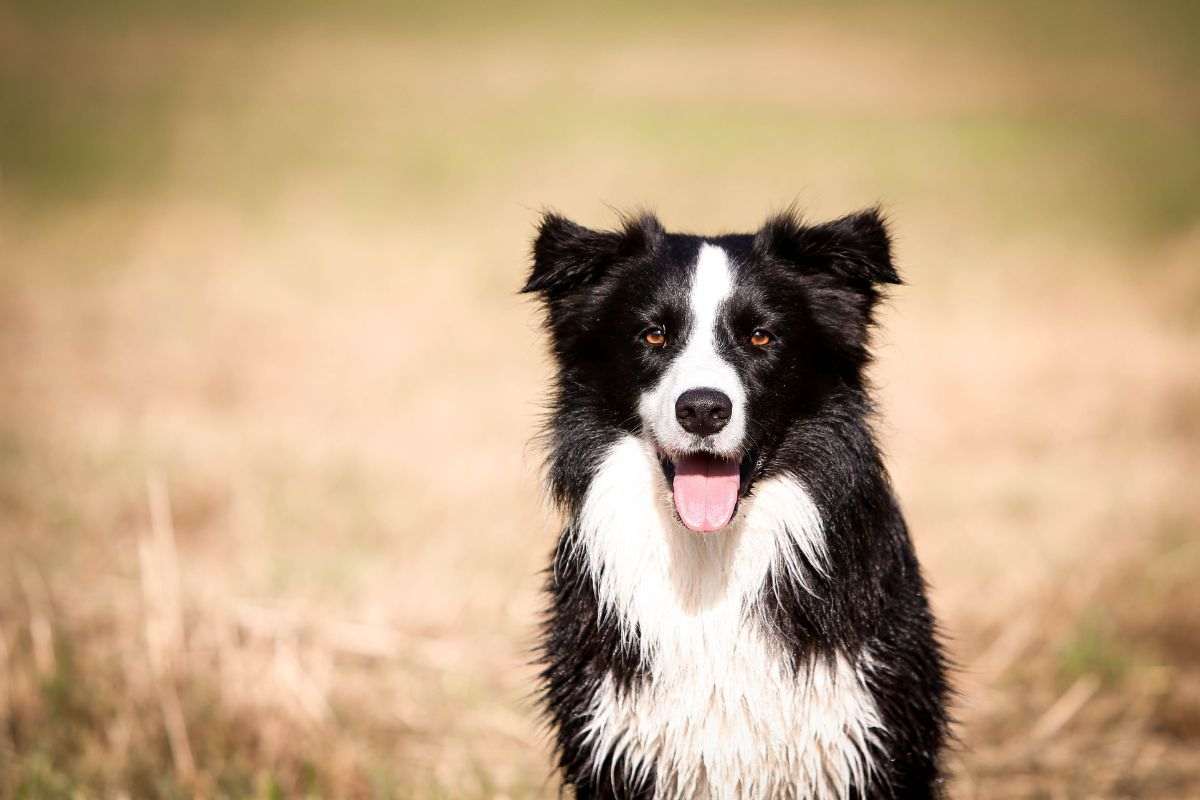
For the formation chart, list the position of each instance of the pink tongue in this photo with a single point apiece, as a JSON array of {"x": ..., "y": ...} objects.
[{"x": 706, "y": 491}]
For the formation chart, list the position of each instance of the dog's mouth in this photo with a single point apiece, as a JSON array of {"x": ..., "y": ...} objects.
[{"x": 706, "y": 487}]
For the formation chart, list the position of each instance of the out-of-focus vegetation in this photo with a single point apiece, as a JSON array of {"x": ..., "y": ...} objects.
[{"x": 255, "y": 259}]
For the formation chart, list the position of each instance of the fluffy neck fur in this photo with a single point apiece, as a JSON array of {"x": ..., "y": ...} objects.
[{"x": 722, "y": 711}]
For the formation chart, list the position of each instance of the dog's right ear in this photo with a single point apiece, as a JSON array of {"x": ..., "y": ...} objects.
[{"x": 567, "y": 256}]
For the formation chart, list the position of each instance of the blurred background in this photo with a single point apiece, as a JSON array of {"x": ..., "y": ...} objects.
[{"x": 257, "y": 260}]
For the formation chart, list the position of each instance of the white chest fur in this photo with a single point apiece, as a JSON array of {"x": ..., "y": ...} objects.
[{"x": 722, "y": 715}]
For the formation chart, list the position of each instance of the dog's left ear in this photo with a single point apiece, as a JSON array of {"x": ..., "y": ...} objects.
[
  {"x": 843, "y": 264},
  {"x": 856, "y": 248}
]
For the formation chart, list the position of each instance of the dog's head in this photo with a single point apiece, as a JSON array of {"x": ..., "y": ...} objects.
[{"x": 710, "y": 348}]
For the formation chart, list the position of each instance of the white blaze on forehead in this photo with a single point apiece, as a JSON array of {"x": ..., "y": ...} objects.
[
  {"x": 711, "y": 284},
  {"x": 699, "y": 365}
]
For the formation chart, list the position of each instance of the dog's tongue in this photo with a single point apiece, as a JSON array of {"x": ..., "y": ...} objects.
[{"x": 706, "y": 491}]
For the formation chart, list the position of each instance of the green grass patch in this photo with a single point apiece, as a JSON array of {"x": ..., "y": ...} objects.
[{"x": 1094, "y": 647}]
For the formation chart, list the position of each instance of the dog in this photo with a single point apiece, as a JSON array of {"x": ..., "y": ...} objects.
[{"x": 736, "y": 609}]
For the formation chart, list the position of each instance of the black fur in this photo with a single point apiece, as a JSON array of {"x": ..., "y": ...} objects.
[{"x": 815, "y": 288}]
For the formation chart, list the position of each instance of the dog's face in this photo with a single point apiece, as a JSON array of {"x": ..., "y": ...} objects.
[{"x": 711, "y": 349}]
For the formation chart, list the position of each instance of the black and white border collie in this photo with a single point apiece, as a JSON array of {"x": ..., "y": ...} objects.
[{"x": 737, "y": 610}]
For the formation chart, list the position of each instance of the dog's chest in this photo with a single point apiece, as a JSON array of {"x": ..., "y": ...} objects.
[
  {"x": 721, "y": 714},
  {"x": 727, "y": 718}
]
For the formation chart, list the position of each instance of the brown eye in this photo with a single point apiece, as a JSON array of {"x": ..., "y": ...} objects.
[
  {"x": 760, "y": 338},
  {"x": 655, "y": 337}
]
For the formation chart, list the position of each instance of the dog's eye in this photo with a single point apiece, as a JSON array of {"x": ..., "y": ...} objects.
[
  {"x": 655, "y": 337},
  {"x": 761, "y": 338}
]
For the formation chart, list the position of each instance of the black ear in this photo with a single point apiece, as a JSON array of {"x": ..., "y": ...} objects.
[
  {"x": 843, "y": 263},
  {"x": 856, "y": 248},
  {"x": 567, "y": 256}
]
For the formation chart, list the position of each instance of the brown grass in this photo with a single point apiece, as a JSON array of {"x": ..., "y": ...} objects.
[{"x": 253, "y": 268}]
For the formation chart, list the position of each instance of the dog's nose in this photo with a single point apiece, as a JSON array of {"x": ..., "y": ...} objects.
[{"x": 703, "y": 411}]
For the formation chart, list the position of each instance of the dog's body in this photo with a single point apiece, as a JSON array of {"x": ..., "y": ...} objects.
[{"x": 737, "y": 611}]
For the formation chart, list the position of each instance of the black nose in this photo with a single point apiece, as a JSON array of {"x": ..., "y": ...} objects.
[{"x": 703, "y": 411}]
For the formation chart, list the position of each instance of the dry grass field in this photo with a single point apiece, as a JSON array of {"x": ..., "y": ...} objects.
[{"x": 258, "y": 262}]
